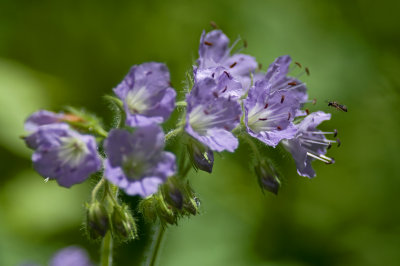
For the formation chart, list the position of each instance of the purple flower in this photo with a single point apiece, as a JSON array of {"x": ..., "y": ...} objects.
[
  {"x": 278, "y": 80},
  {"x": 136, "y": 161},
  {"x": 226, "y": 85},
  {"x": 40, "y": 118},
  {"x": 63, "y": 154},
  {"x": 214, "y": 53},
  {"x": 147, "y": 94},
  {"x": 71, "y": 256},
  {"x": 309, "y": 143},
  {"x": 37, "y": 119},
  {"x": 269, "y": 113},
  {"x": 210, "y": 118}
]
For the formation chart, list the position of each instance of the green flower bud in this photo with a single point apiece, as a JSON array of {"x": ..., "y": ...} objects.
[
  {"x": 172, "y": 193},
  {"x": 147, "y": 207},
  {"x": 191, "y": 202},
  {"x": 97, "y": 221},
  {"x": 123, "y": 224},
  {"x": 267, "y": 176},
  {"x": 165, "y": 212}
]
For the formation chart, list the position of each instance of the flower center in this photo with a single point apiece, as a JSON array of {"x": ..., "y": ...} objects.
[
  {"x": 72, "y": 151},
  {"x": 200, "y": 120},
  {"x": 264, "y": 118},
  {"x": 137, "y": 100},
  {"x": 134, "y": 167}
]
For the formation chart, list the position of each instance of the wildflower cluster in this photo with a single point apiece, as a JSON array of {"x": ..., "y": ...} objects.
[{"x": 230, "y": 98}]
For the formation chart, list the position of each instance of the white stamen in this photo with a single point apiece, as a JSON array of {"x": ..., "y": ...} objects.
[
  {"x": 326, "y": 157},
  {"x": 137, "y": 100},
  {"x": 317, "y": 157},
  {"x": 72, "y": 151},
  {"x": 201, "y": 122},
  {"x": 321, "y": 133}
]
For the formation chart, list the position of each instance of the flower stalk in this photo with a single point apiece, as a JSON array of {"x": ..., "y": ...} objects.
[
  {"x": 155, "y": 245},
  {"x": 106, "y": 250}
]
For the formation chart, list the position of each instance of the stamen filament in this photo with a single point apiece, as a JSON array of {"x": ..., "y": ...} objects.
[{"x": 317, "y": 157}]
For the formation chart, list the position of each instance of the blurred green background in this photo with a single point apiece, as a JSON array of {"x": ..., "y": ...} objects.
[{"x": 57, "y": 53}]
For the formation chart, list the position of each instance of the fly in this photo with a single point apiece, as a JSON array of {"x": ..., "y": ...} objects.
[{"x": 338, "y": 106}]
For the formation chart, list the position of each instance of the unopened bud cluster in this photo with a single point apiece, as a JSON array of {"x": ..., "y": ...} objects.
[
  {"x": 109, "y": 215},
  {"x": 174, "y": 200}
]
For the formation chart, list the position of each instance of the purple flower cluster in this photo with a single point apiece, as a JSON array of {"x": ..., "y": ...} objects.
[
  {"x": 222, "y": 82},
  {"x": 135, "y": 161},
  {"x": 229, "y": 93}
]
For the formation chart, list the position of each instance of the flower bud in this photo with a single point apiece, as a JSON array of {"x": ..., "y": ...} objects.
[
  {"x": 97, "y": 221},
  {"x": 123, "y": 224},
  {"x": 200, "y": 155},
  {"x": 180, "y": 196},
  {"x": 147, "y": 207},
  {"x": 191, "y": 202},
  {"x": 267, "y": 176},
  {"x": 172, "y": 193},
  {"x": 192, "y": 205},
  {"x": 165, "y": 212}
]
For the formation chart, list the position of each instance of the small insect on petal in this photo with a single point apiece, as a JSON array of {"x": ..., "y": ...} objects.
[
  {"x": 234, "y": 64},
  {"x": 208, "y": 43}
]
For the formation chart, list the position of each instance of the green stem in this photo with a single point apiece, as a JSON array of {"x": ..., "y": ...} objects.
[
  {"x": 253, "y": 146},
  {"x": 101, "y": 132},
  {"x": 112, "y": 193},
  {"x": 173, "y": 133},
  {"x": 186, "y": 170},
  {"x": 155, "y": 245},
  {"x": 96, "y": 189},
  {"x": 181, "y": 103},
  {"x": 106, "y": 250}
]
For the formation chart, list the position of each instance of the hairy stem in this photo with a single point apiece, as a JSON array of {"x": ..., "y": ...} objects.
[
  {"x": 155, "y": 245},
  {"x": 106, "y": 250},
  {"x": 253, "y": 146},
  {"x": 97, "y": 188},
  {"x": 181, "y": 103},
  {"x": 172, "y": 133}
]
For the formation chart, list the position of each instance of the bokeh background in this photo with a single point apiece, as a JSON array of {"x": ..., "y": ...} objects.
[{"x": 57, "y": 53}]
